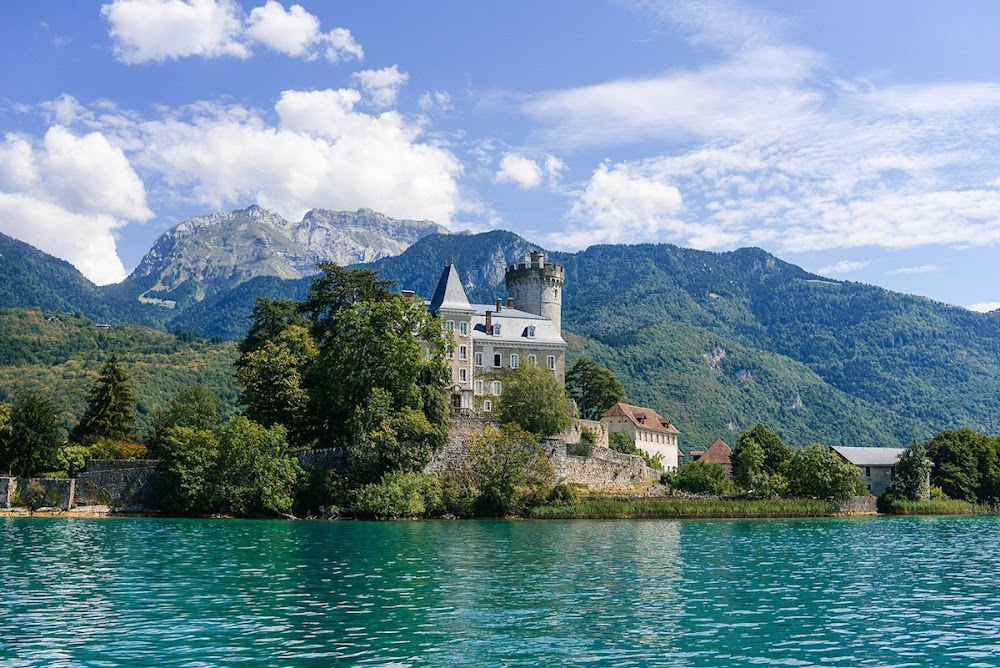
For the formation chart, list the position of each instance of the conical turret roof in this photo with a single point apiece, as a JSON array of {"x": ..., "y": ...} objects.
[{"x": 449, "y": 294}]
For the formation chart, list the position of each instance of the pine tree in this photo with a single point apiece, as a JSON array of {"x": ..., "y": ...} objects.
[{"x": 110, "y": 410}]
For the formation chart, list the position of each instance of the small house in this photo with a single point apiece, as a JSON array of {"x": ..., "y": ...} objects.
[
  {"x": 651, "y": 432},
  {"x": 878, "y": 465},
  {"x": 718, "y": 453}
]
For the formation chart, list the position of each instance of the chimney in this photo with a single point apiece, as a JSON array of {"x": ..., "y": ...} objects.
[
  {"x": 489, "y": 322},
  {"x": 499, "y": 304},
  {"x": 510, "y": 302}
]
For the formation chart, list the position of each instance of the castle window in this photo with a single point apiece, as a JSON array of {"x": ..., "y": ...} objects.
[
  {"x": 531, "y": 331},
  {"x": 463, "y": 353},
  {"x": 451, "y": 354},
  {"x": 515, "y": 360},
  {"x": 551, "y": 362},
  {"x": 496, "y": 387},
  {"x": 487, "y": 405},
  {"x": 532, "y": 360},
  {"x": 479, "y": 359},
  {"x": 497, "y": 360},
  {"x": 463, "y": 328},
  {"x": 450, "y": 325},
  {"x": 496, "y": 330},
  {"x": 479, "y": 387},
  {"x": 463, "y": 376}
]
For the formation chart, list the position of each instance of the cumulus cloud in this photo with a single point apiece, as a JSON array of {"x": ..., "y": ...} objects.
[
  {"x": 766, "y": 146},
  {"x": 520, "y": 170},
  {"x": 984, "y": 307},
  {"x": 842, "y": 267},
  {"x": 527, "y": 173},
  {"x": 159, "y": 30},
  {"x": 67, "y": 194},
  {"x": 382, "y": 86},
  {"x": 322, "y": 153}
]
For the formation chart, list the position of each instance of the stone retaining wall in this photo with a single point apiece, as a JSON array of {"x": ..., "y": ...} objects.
[
  {"x": 858, "y": 505},
  {"x": 116, "y": 464},
  {"x": 604, "y": 469},
  {"x": 37, "y": 492},
  {"x": 321, "y": 458},
  {"x": 117, "y": 487}
]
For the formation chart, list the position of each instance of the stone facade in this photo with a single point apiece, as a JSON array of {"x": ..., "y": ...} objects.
[
  {"x": 491, "y": 338},
  {"x": 51, "y": 492},
  {"x": 321, "y": 458}
]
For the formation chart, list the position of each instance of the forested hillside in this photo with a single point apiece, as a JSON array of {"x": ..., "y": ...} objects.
[{"x": 59, "y": 354}]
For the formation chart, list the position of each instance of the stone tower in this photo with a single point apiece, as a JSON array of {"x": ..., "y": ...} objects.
[{"x": 537, "y": 287}]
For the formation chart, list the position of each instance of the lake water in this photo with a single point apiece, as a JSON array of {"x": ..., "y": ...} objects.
[{"x": 831, "y": 592}]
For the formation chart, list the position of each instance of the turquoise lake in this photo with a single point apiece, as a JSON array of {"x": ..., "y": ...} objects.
[{"x": 830, "y": 592}]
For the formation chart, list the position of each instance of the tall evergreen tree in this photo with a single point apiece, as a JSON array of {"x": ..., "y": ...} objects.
[
  {"x": 110, "y": 406},
  {"x": 30, "y": 442}
]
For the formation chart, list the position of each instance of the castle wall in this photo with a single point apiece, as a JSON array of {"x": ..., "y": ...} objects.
[{"x": 118, "y": 483}]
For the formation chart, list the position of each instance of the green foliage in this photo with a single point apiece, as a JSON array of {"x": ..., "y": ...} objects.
[
  {"x": 897, "y": 505},
  {"x": 817, "y": 472},
  {"x": 956, "y": 457},
  {"x": 73, "y": 459},
  {"x": 702, "y": 478},
  {"x": 759, "y": 460},
  {"x": 913, "y": 473},
  {"x": 400, "y": 494},
  {"x": 534, "y": 400},
  {"x": 30, "y": 442},
  {"x": 110, "y": 406},
  {"x": 596, "y": 507},
  {"x": 253, "y": 474},
  {"x": 111, "y": 449},
  {"x": 508, "y": 466},
  {"x": 242, "y": 468},
  {"x": 594, "y": 388},
  {"x": 186, "y": 469},
  {"x": 270, "y": 379},
  {"x": 195, "y": 406}
]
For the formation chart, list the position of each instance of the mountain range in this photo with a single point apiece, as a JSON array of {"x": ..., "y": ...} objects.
[{"x": 716, "y": 341}]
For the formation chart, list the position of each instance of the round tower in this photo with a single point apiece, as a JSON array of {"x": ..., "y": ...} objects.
[{"x": 537, "y": 287}]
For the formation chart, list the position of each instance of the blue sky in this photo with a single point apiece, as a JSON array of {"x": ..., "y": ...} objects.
[{"x": 856, "y": 139}]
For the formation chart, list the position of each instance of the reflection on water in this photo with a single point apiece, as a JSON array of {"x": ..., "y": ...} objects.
[{"x": 840, "y": 592}]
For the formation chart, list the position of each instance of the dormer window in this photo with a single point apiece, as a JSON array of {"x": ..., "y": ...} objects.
[
  {"x": 496, "y": 330},
  {"x": 531, "y": 331}
]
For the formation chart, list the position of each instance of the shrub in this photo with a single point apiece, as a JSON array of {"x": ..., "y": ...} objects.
[
  {"x": 400, "y": 494},
  {"x": 563, "y": 494},
  {"x": 581, "y": 449},
  {"x": 702, "y": 478},
  {"x": 112, "y": 449},
  {"x": 459, "y": 498}
]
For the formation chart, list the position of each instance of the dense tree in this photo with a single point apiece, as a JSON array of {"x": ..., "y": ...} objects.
[
  {"x": 816, "y": 471},
  {"x": 270, "y": 318},
  {"x": 110, "y": 409},
  {"x": 956, "y": 462},
  {"x": 506, "y": 465},
  {"x": 534, "y": 399},
  {"x": 759, "y": 461},
  {"x": 594, "y": 388},
  {"x": 253, "y": 473},
  {"x": 271, "y": 382},
  {"x": 701, "y": 478},
  {"x": 186, "y": 468},
  {"x": 913, "y": 472},
  {"x": 30, "y": 443}
]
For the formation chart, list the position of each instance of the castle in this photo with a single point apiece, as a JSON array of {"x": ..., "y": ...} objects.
[{"x": 489, "y": 338}]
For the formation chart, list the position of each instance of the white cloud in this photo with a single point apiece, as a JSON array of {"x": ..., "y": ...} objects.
[
  {"x": 158, "y": 30},
  {"x": 767, "y": 147},
  {"x": 382, "y": 86},
  {"x": 67, "y": 195},
  {"x": 984, "y": 307},
  {"x": 435, "y": 100},
  {"x": 842, "y": 267},
  {"x": 919, "y": 269},
  {"x": 520, "y": 170},
  {"x": 341, "y": 45},
  {"x": 294, "y": 32},
  {"x": 323, "y": 153}
]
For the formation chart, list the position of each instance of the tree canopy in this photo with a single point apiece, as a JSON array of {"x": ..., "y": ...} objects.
[
  {"x": 594, "y": 388},
  {"x": 534, "y": 399},
  {"x": 30, "y": 442}
]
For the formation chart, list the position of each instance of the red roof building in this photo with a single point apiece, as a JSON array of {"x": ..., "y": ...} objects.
[{"x": 651, "y": 432}]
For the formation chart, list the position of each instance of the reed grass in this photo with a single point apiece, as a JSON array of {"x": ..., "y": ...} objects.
[
  {"x": 616, "y": 508},
  {"x": 936, "y": 507}
]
